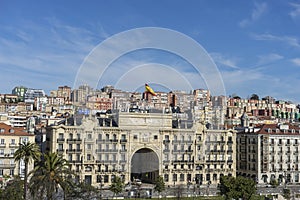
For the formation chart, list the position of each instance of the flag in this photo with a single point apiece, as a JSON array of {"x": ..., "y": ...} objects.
[{"x": 149, "y": 89}]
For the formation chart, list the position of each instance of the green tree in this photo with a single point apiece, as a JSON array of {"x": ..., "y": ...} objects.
[
  {"x": 159, "y": 185},
  {"x": 117, "y": 185},
  {"x": 26, "y": 153},
  {"x": 84, "y": 191},
  {"x": 13, "y": 190},
  {"x": 274, "y": 183},
  {"x": 287, "y": 193},
  {"x": 51, "y": 175},
  {"x": 235, "y": 188}
]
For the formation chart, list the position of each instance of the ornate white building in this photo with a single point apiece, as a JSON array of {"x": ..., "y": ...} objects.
[
  {"x": 270, "y": 151},
  {"x": 144, "y": 145}
]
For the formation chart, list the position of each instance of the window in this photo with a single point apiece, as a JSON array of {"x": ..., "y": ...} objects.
[
  {"x": 214, "y": 177},
  {"x": 174, "y": 177},
  {"x": 70, "y": 157},
  {"x": 135, "y": 137},
  {"x": 166, "y": 177},
  {"x": 123, "y": 137},
  {"x": 207, "y": 177},
  {"x": 13, "y": 141},
  {"x": 181, "y": 177},
  {"x": 88, "y": 156},
  {"x": 123, "y": 147},
  {"x": 78, "y": 146},
  {"x": 1, "y": 172},
  {"x": 1, "y": 151},
  {"x": 2, "y": 141},
  {"x": 89, "y": 136},
  {"x": 89, "y": 146},
  {"x": 60, "y": 147},
  {"x": 123, "y": 157},
  {"x": 78, "y": 136},
  {"x": 60, "y": 136},
  {"x": 11, "y": 172},
  {"x": 155, "y": 137}
]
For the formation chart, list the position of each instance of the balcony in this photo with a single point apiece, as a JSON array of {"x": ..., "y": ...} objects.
[
  {"x": 230, "y": 142},
  {"x": 78, "y": 140},
  {"x": 189, "y": 151},
  {"x": 7, "y": 166},
  {"x": 123, "y": 140},
  {"x": 60, "y": 150},
  {"x": 2, "y": 145},
  {"x": 60, "y": 140},
  {"x": 229, "y": 161},
  {"x": 71, "y": 150},
  {"x": 13, "y": 145},
  {"x": 76, "y": 161},
  {"x": 166, "y": 141}
]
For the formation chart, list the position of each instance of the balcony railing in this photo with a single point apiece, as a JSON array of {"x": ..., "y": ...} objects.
[
  {"x": 13, "y": 145},
  {"x": 77, "y": 140},
  {"x": 7, "y": 166},
  {"x": 59, "y": 140}
]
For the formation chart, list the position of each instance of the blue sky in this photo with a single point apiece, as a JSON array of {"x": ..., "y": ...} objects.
[{"x": 255, "y": 44}]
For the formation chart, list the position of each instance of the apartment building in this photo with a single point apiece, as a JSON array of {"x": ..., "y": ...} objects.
[
  {"x": 10, "y": 138},
  {"x": 143, "y": 145},
  {"x": 269, "y": 151}
]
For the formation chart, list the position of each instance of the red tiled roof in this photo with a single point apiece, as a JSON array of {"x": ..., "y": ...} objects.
[
  {"x": 276, "y": 129},
  {"x": 10, "y": 131}
]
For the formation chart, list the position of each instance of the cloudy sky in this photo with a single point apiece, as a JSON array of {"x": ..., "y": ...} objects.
[{"x": 254, "y": 45}]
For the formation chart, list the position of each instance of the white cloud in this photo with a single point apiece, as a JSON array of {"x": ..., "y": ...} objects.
[
  {"x": 296, "y": 12},
  {"x": 296, "y": 61},
  {"x": 291, "y": 41},
  {"x": 52, "y": 60},
  {"x": 229, "y": 62},
  {"x": 269, "y": 58},
  {"x": 257, "y": 12}
]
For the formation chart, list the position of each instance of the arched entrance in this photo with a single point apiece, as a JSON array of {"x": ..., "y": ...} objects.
[{"x": 144, "y": 165}]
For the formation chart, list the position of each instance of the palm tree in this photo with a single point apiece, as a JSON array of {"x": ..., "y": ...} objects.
[
  {"x": 52, "y": 174},
  {"x": 27, "y": 152}
]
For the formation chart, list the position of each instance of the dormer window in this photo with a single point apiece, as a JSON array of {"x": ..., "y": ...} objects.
[
  {"x": 269, "y": 130},
  {"x": 293, "y": 130}
]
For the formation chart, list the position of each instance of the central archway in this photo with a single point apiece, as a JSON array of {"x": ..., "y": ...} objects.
[{"x": 145, "y": 165}]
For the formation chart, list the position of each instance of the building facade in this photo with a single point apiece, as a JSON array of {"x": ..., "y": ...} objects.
[
  {"x": 10, "y": 138},
  {"x": 143, "y": 145},
  {"x": 269, "y": 152}
]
